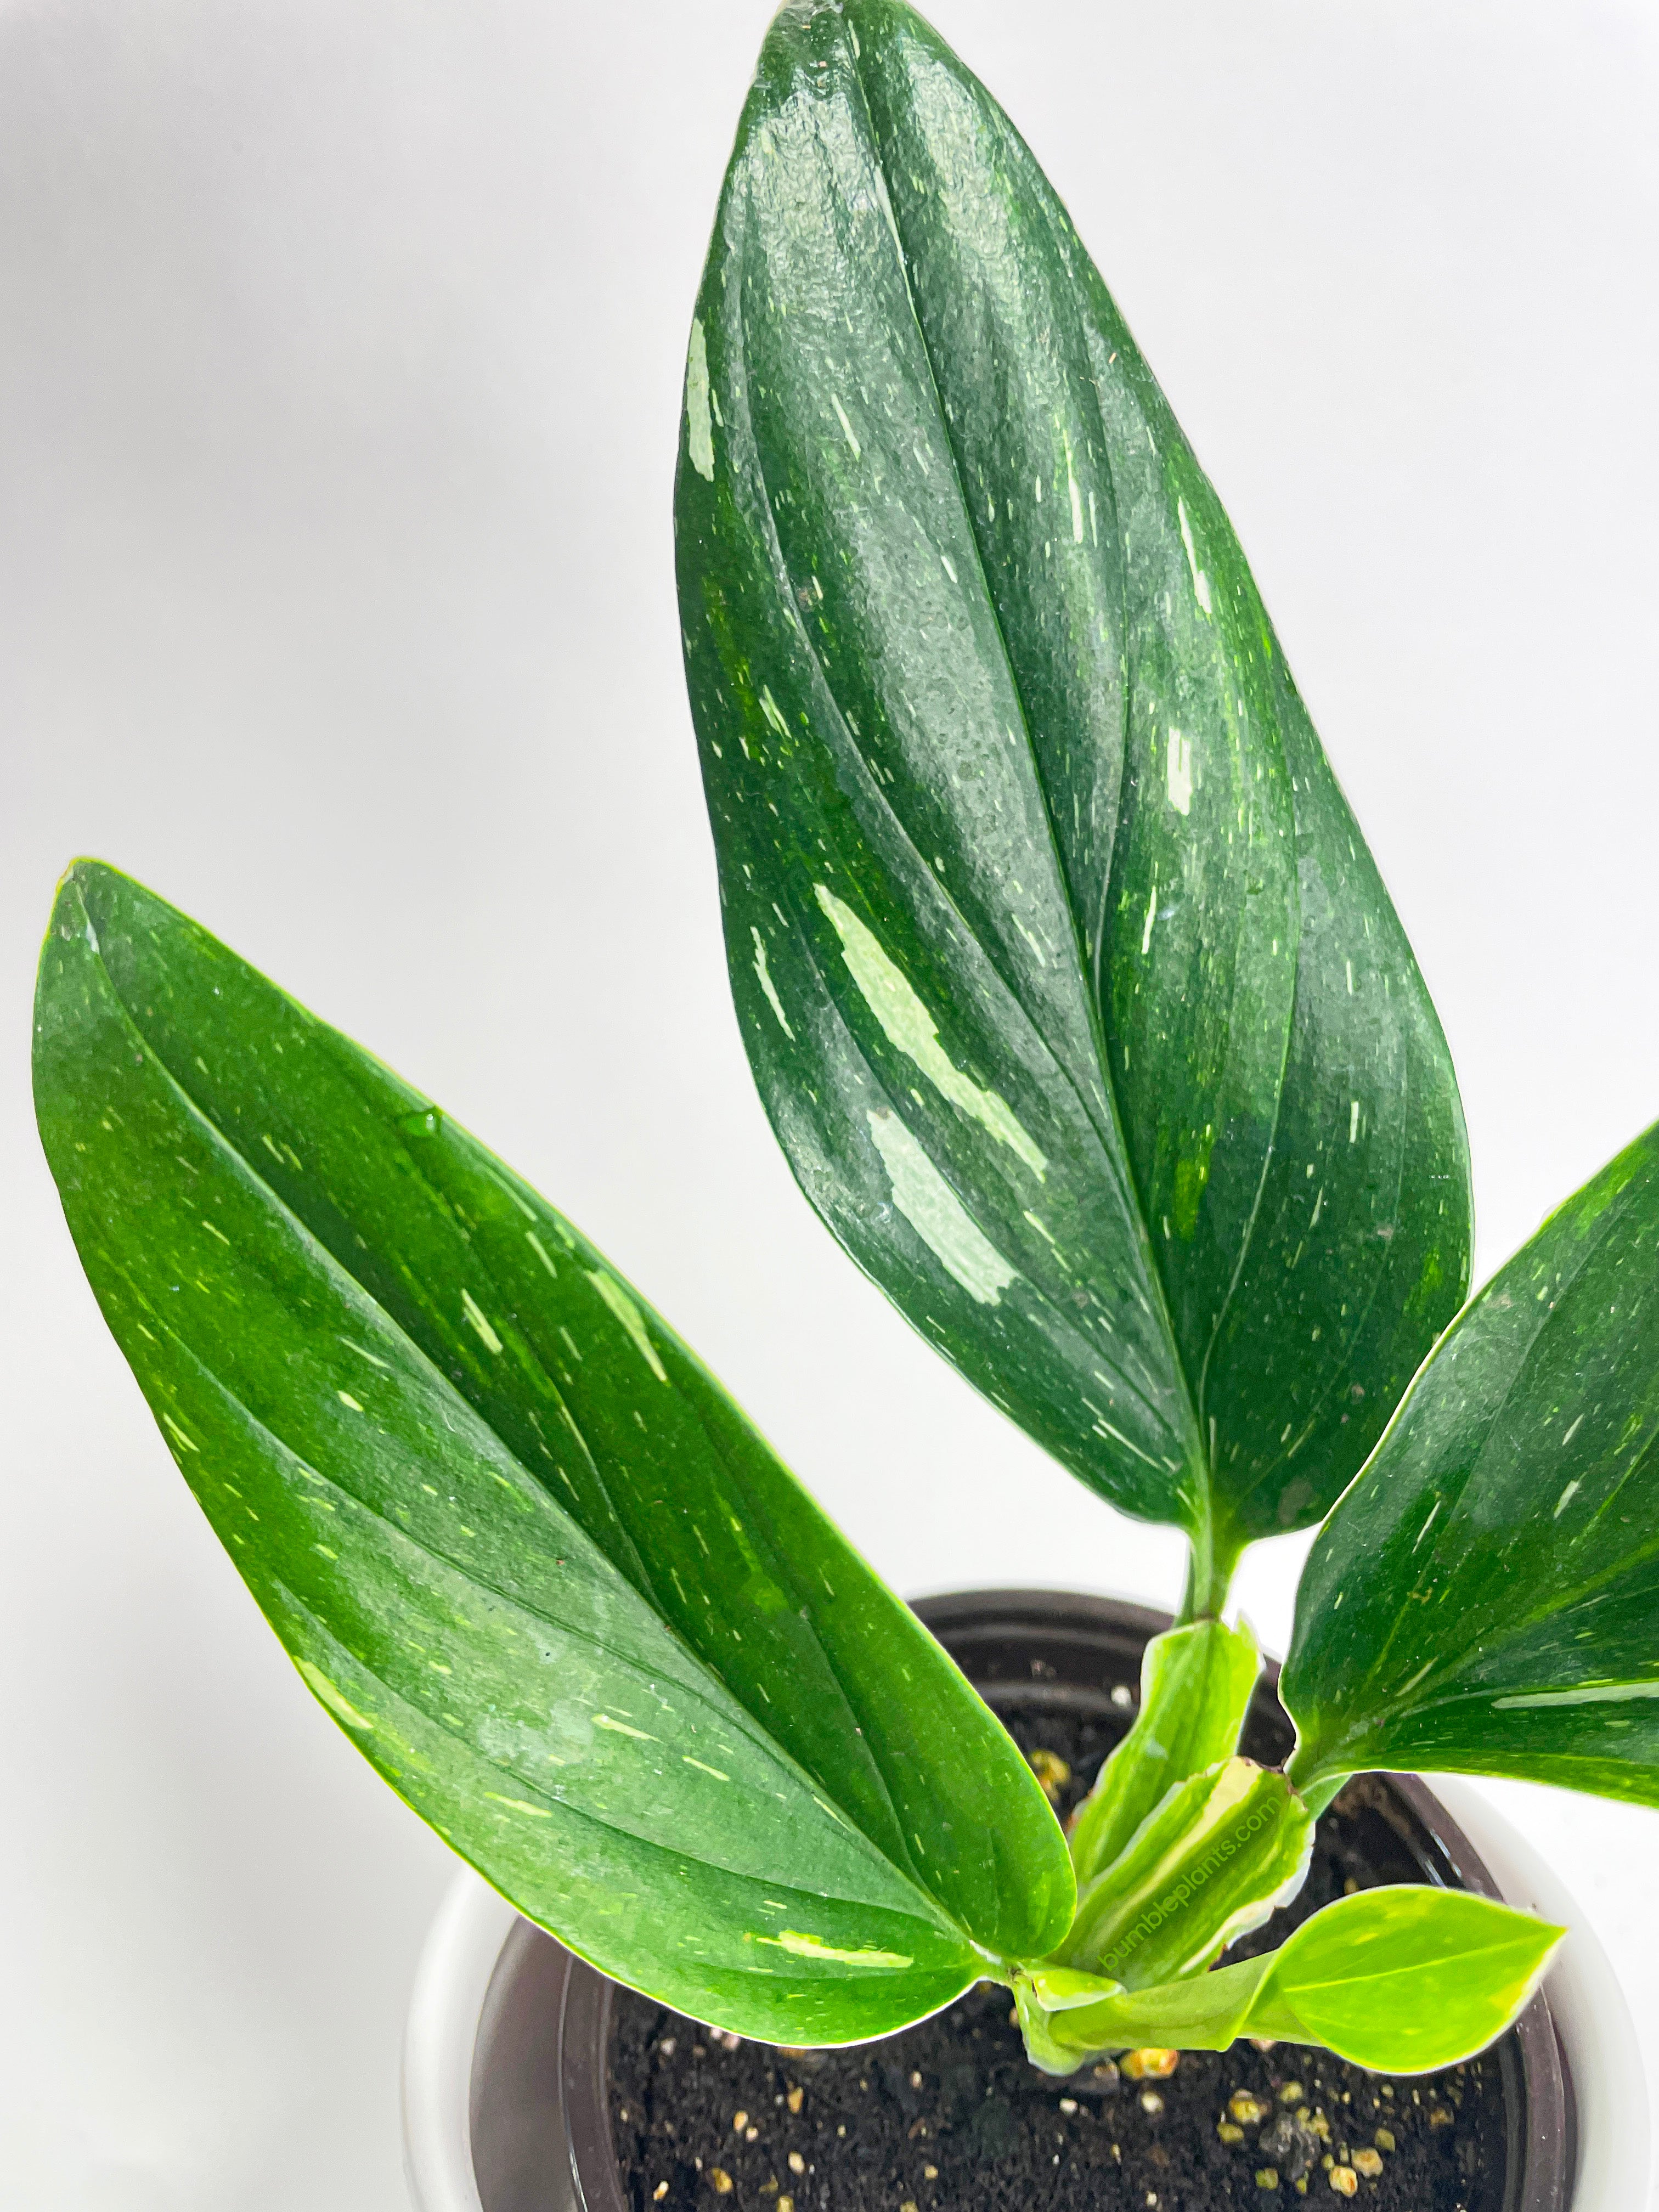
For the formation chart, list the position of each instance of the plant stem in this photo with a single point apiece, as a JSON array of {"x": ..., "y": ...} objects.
[
  {"x": 1318, "y": 1795},
  {"x": 1315, "y": 1787},
  {"x": 1210, "y": 1563}
]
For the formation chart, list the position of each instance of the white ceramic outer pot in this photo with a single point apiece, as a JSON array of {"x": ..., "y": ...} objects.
[
  {"x": 1591, "y": 2017},
  {"x": 458, "y": 1963}
]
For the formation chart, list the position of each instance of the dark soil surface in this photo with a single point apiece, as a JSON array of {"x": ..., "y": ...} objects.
[{"x": 950, "y": 2117}]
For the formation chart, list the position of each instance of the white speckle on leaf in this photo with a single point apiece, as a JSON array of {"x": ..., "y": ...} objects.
[
  {"x": 1152, "y": 916},
  {"x": 910, "y": 1029},
  {"x": 1032, "y": 939},
  {"x": 475, "y": 1314},
  {"x": 541, "y": 1252},
  {"x": 1077, "y": 497},
  {"x": 1201, "y": 581},
  {"x": 699, "y": 430},
  {"x": 319, "y": 1684},
  {"x": 814, "y": 1947},
  {"x": 519, "y": 1805},
  {"x": 1354, "y": 1120},
  {"x": 1178, "y": 772},
  {"x": 348, "y": 1401},
  {"x": 621, "y": 1727},
  {"x": 835, "y": 401},
  {"x": 1588, "y": 1693},
  {"x": 686, "y": 1759},
  {"x": 630, "y": 1317},
  {"x": 937, "y": 1215},
  {"x": 384, "y": 1366},
  {"x": 1563, "y": 1501},
  {"x": 767, "y": 984}
]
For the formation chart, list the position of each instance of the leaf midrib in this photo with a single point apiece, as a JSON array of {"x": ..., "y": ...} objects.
[
  {"x": 1197, "y": 1457},
  {"x": 1123, "y": 1186}
]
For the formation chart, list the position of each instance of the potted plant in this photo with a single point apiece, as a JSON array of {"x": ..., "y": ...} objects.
[
  {"x": 1084, "y": 1020},
  {"x": 521, "y": 2063}
]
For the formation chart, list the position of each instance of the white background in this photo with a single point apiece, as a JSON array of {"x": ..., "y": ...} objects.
[{"x": 340, "y": 354}]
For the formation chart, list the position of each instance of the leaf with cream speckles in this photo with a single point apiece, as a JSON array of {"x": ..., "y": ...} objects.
[
  {"x": 517, "y": 1541},
  {"x": 1071, "y": 989},
  {"x": 1483, "y": 1600},
  {"x": 1403, "y": 1980}
]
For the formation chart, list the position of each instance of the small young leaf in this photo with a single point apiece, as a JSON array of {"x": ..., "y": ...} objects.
[
  {"x": 1221, "y": 1852},
  {"x": 516, "y": 1539},
  {"x": 1068, "y": 983},
  {"x": 1402, "y": 1980},
  {"x": 1483, "y": 1599},
  {"x": 1195, "y": 1685}
]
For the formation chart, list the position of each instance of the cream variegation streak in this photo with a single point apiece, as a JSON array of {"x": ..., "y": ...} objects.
[
  {"x": 937, "y": 1215},
  {"x": 910, "y": 1029}
]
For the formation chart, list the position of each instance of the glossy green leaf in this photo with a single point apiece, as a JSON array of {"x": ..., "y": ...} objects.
[
  {"x": 516, "y": 1539},
  {"x": 1222, "y": 1851},
  {"x": 1402, "y": 1980},
  {"x": 1195, "y": 1685},
  {"x": 1070, "y": 987},
  {"x": 1485, "y": 1598}
]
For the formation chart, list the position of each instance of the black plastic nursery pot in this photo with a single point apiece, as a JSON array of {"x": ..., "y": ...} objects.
[{"x": 587, "y": 2097}]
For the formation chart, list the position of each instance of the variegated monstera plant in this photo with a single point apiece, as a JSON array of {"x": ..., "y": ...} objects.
[{"x": 1083, "y": 1016}]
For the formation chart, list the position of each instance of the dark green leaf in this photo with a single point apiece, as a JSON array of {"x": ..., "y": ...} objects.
[
  {"x": 1195, "y": 1684},
  {"x": 1402, "y": 1980},
  {"x": 515, "y": 1538},
  {"x": 1070, "y": 987},
  {"x": 1484, "y": 1599}
]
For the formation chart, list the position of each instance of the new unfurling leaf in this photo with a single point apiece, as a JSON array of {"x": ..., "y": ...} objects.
[
  {"x": 1222, "y": 1850},
  {"x": 1195, "y": 1687}
]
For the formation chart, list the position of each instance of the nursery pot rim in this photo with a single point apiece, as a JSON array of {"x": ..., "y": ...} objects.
[{"x": 497, "y": 1999}]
